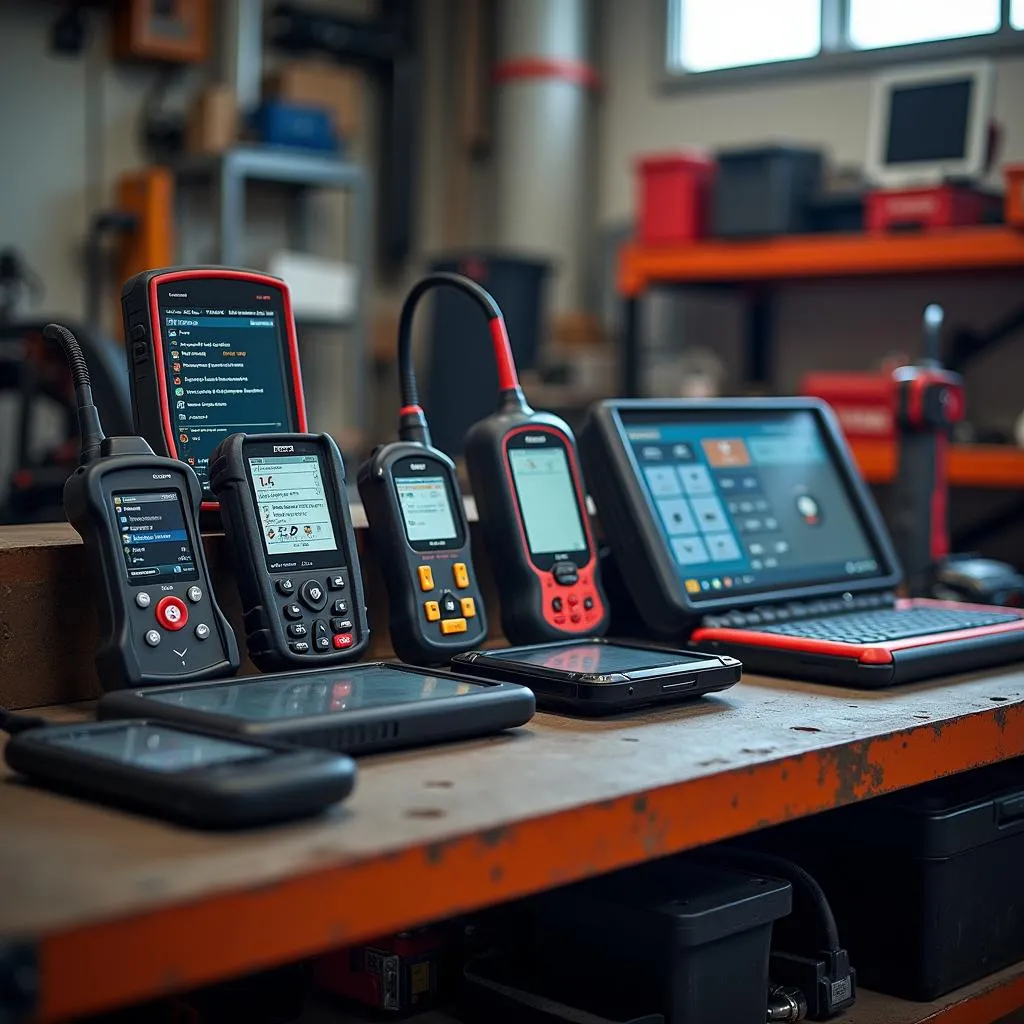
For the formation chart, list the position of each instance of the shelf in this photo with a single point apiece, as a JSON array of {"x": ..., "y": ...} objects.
[
  {"x": 983, "y": 1002},
  {"x": 970, "y": 465},
  {"x": 821, "y": 256},
  {"x": 121, "y": 908},
  {"x": 274, "y": 163}
]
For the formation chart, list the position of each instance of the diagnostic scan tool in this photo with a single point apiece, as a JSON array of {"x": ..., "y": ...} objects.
[
  {"x": 212, "y": 352},
  {"x": 286, "y": 516}
]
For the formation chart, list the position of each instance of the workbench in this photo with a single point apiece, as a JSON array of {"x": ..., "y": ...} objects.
[{"x": 118, "y": 909}]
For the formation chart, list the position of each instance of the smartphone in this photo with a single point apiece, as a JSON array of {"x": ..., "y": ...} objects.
[
  {"x": 191, "y": 776},
  {"x": 597, "y": 676}
]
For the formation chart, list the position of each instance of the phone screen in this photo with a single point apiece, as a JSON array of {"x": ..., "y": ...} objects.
[{"x": 155, "y": 748}]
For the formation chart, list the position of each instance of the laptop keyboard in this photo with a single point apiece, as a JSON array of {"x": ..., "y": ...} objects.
[{"x": 887, "y": 624}]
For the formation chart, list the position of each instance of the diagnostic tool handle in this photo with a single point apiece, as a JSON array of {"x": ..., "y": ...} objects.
[{"x": 929, "y": 401}]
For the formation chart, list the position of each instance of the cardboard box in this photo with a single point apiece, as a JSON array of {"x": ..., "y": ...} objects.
[
  {"x": 212, "y": 121},
  {"x": 321, "y": 84}
]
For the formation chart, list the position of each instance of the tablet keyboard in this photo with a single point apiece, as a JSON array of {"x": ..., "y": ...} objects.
[{"x": 888, "y": 624}]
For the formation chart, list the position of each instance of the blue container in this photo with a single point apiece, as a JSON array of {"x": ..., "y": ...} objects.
[{"x": 288, "y": 124}]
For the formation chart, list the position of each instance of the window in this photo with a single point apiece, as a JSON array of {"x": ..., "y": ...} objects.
[{"x": 715, "y": 35}]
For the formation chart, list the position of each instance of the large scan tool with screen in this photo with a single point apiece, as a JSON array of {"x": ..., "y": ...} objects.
[
  {"x": 418, "y": 527},
  {"x": 746, "y": 522},
  {"x": 286, "y": 516},
  {"x": 212, "y": 352}
]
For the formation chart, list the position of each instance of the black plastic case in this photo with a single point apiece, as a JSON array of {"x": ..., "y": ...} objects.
[
  {"x": 925, "y": 884},
  {"x": 694, "y": 937},
  {"x": 264, "y": 628},
  {"x": 527, "y": 589}
]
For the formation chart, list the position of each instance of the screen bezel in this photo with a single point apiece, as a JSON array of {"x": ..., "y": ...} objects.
[
  {"x": 434, "y": 467},
  {"x": 630, "y": 412},
  {"x": 545, "y": 561},
  {"x": 325, "y": 559},
  {"x": 971, "y": 165},
  {"x": 295, "y": 399},
  {"x": 111, "y": 488}
]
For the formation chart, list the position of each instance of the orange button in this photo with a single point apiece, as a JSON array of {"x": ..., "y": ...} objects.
[
  {"x": 426, "y": 576},
  {"x": 461, "y": 574},
  {"x": 468, "y": 607},
  {"x": 433, "y": 610},
  {"x": 449, "y": 626}
]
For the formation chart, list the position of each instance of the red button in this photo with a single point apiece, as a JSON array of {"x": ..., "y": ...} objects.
[
  {"x": 559, "y": 620},
  {"x": 342, "y": 640},
  {"x": 171, "y": 613},
  {"x": 575, "y": 617},
  {"x": 573, "y": 599}
]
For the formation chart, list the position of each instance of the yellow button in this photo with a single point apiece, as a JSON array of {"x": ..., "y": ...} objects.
[
  {"x": 426, "y": 577},
  {"x": 461, "y": 575},
  {"x": 468, "y": 607},
  {"x": 433, "y": 610},
  {"x": 449, "y": 626}
]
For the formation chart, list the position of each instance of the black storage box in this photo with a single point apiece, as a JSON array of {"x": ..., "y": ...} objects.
[
  {"x": 766, "y": 191},
  {"x": 693, "y": 937},
  {"x": 927, "y": 885}
]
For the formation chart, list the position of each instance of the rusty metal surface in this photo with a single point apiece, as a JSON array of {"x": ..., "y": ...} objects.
[{"x": 435, "y": 832}]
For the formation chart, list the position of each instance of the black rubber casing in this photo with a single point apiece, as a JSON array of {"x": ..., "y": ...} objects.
[
  {"x": 264, "y": 624},
  {"x": 414, "y": 638},
  {"x": 123, "y": 658},
  {"x": 526, "y": 588}
]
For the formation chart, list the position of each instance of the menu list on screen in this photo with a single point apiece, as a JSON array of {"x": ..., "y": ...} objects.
[{"x": 154, "y": 538}]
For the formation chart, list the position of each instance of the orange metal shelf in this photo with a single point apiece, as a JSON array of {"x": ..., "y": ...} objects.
[
  {"x": 803, "y": 256},
  {"x": 970, "y": 465},
  {"x": 121, "y": 908}
]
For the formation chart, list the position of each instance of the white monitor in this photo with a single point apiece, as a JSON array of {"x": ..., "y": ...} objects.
[{"x": 930, "y": 124}]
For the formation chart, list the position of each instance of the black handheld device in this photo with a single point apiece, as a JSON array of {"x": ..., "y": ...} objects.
[
  {"x": 593, "y": 676},
  {"x": 191, "y": 776},
  {"x": 418, "y": 527},
  {"x": 286, "y": 516},
  {"x": 211, "y": 351},
  {"x": 138, "y": 515},
  {"x": 528, "y": 488}
]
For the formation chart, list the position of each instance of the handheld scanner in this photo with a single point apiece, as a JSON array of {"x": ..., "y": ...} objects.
[
  {"x": 212, "y": 352},
  {"x": 418, "y": 528},
  {"x": 137, "y": 514},
  {"x": 528, "y": 487},
  {"x": 929, "y": 401},
  {"x": 285, "y": 512}
]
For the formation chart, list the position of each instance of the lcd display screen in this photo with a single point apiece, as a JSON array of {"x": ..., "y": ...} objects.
[
  {"x": 426, "y": 508},
  {"x": 291, "y": 499},
  {"x": 154, "y": 538},
  {"x": 547, "y": 498}
]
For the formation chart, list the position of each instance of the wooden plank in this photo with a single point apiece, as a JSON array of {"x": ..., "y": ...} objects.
[
  {"x": 956, "y": 250},
  {"x": 983, "y": 1002},
  {"x": 970, "y": 465},
  {"x": 127, "y": 908}
]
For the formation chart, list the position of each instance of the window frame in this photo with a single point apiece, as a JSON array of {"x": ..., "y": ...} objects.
[{"x": 836, "y": 55}]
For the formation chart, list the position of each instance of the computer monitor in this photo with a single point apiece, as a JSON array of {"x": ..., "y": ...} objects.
[{"x": 930, "y": 124}]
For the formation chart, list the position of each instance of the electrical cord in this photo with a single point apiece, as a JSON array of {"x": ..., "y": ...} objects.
[{"x": 89, "y": 427}]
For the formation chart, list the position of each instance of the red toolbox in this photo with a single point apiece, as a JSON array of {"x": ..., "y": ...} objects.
[{"x": 674, "y": 202}]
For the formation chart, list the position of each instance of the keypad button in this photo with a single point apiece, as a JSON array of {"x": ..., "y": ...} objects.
[
  {"x": 336, "y": 582},
  {"x": 142, "y": 599},
  {"x": 559, "y": 620},
  {"x": 573, "y": 600},
  {"x": 293, "y": 611},
  {"x": 341, "y": 625},
  {"x": 322, "y": 643},
  {"x": 588, "y": 604},
  {"x": 556, "y": 604},
  {"x": 468, "y": 607},
  {"x": 432, "y": 610},
  {"x": 299, "y": 647},
  {"x": 153, "y": 637},
  {"x": 575, "y": 617},
  {"x": 285, "y": 587},
  {"x": 339, "y": 608},
  {"x": 342, "y": 641},
  {"x": 313, "y": 595},
  {"x": 426, "y": 575},
  {"x": 319, "y": 628},
  {"x": 195, "y": 594},
  {"x": 450, "y": 626},
  {"x": 449, "y": 606},
  {"x": 321, "y": 635},
  {"x": 202, "y": 631},
  {"x": 566, "y": 573},
  {"x": 297, "y": 630},
  {"x": 171, "y": 613},
  {"x": 461, "y": 575}
]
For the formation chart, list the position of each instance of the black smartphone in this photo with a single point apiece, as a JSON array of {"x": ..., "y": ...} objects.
[
  {"x": 191, "y": 776},
  {"x": 359, "y": 709},
  {"x": 598, "y": 677}
]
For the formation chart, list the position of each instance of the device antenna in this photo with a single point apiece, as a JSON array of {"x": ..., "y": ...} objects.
[
  {"x": 89, "y": 427},
  {"x": 934, "y": 315}
]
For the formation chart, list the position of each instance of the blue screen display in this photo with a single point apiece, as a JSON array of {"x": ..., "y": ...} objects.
[{"x": 745, "y": 503}]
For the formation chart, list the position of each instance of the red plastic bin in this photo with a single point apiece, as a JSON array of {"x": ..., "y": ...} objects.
[{"x": 675, "y": 198}]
